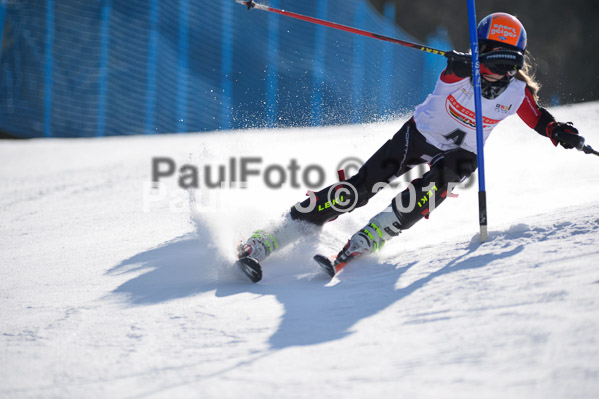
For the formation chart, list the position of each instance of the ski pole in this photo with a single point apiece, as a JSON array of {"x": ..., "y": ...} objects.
[
  {"x": 587, "y": 149},
  {"x": 252, "y": 4}
]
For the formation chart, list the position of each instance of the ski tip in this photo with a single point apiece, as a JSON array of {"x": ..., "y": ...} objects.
[
  {"x": 250, "y": 268},
  {"x": 326, "y": 264}
]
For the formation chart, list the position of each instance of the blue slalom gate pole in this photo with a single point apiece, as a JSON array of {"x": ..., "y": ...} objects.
[{"x": 482, "y": 194}]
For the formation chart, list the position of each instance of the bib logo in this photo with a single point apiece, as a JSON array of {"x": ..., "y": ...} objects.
[
  {"x": 465, "y": 116},
  {"x": 504, "y": 109}
]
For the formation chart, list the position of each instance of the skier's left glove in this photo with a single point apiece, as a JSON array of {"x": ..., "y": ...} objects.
[{"x": 565, "y": 134}]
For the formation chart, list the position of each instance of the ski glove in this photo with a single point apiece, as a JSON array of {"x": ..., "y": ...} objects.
[
  {"x": 459, "y": 64},
  {"x": 565, "y": 134}
]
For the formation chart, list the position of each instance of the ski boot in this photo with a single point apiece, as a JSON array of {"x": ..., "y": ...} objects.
[
  {"x": 358, "y": 245},
  {"x": 252, "y": 252},
  {"x": 264, "y": 242},
  {"x": 258, "y": 246},
  {"x": 371, "y": 238}
]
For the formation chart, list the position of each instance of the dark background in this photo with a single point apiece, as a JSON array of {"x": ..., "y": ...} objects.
[{"x": 562, "y": 38}]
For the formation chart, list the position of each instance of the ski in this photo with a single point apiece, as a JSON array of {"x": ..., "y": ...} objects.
[
  {"x": 250, "y": 268},
  {"x": 330, "y": 267}
]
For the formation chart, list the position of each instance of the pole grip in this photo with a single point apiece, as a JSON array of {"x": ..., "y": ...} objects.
[{"x": 587, "y": 149}]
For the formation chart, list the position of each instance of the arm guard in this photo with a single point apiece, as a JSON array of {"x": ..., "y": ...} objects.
[{"x": 544, "y": 121}]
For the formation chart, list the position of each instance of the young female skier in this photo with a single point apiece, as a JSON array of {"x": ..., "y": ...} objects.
[{"x": 441, "y": 133}]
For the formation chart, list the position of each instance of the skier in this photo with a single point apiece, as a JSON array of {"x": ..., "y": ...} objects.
[{"x": 441, "y": 133}]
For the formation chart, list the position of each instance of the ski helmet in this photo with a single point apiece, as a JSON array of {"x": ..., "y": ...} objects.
[{"x": 502, "y": 29}]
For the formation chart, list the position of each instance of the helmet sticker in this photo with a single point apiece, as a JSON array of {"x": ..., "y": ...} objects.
[{"x": 504, "y": 30}]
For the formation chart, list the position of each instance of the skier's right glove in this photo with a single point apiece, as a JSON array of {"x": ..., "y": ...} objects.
[
  {"x": 459, "y": 64},
  {"x": 565, "y": 134}
]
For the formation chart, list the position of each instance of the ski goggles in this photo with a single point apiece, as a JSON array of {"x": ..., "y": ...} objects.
[
  {"x": 499, "y": 69},
  {"x": 507, "y": 69}
]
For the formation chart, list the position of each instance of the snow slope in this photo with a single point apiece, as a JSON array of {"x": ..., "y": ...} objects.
[{"x": 109, "y": 288}]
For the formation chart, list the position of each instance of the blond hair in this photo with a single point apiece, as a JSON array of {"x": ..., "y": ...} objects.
[{"x": 527, "y": 75}]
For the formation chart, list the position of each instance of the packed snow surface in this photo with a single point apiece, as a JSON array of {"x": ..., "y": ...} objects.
[{"x": 113, "y": 288}]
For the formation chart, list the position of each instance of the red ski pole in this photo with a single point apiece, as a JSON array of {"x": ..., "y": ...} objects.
[{"x": 252, "y": 4}]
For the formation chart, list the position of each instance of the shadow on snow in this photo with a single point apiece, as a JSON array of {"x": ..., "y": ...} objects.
[{"x": 316, "y": 311}]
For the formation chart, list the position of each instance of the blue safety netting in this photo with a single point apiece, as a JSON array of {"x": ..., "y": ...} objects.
[{"x": 73, "y": 68}]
